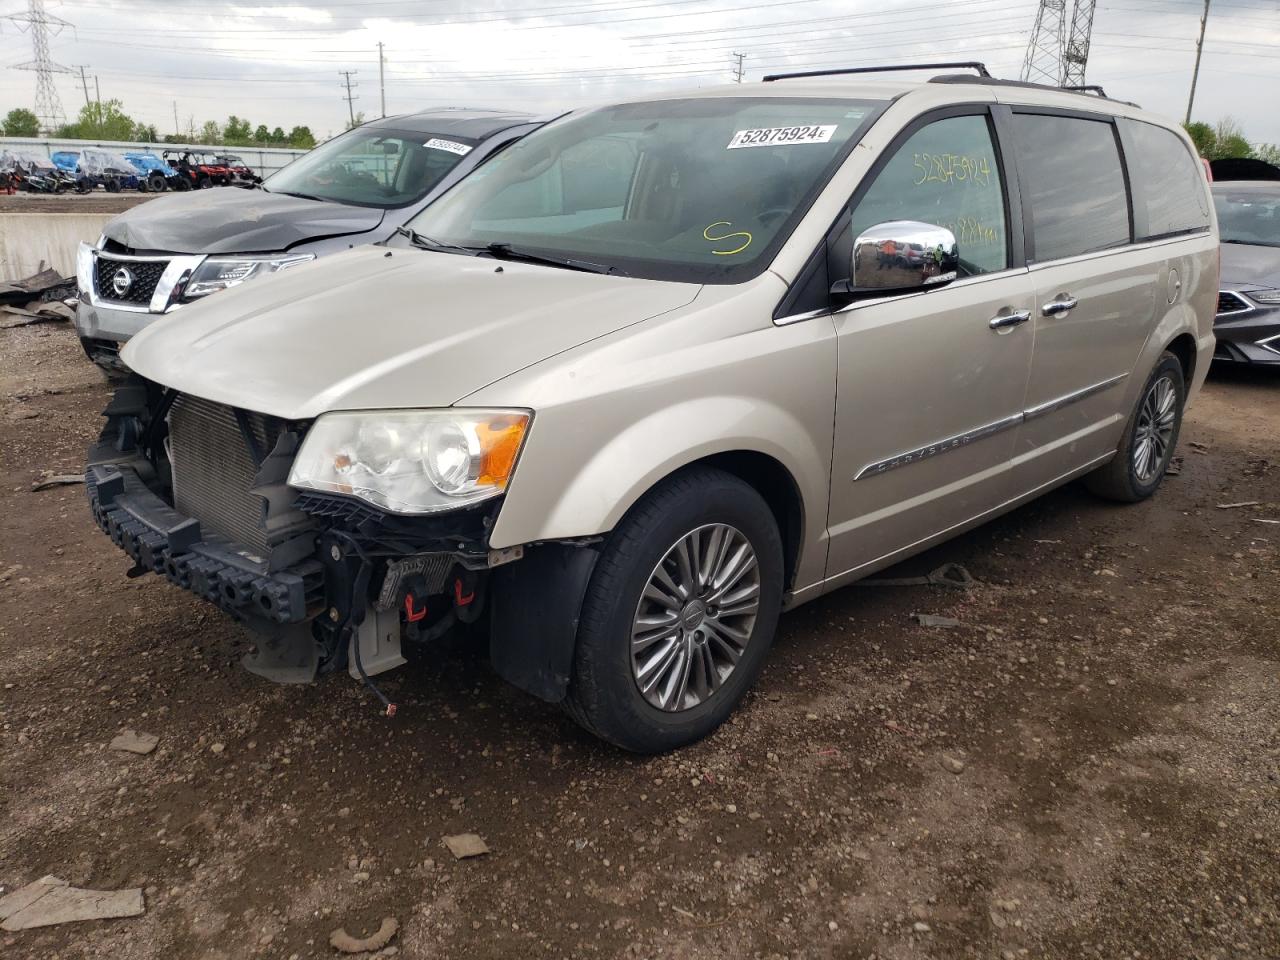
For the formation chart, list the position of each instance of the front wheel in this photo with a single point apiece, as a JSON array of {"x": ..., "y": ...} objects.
[
  {"x": 1149, "y": 438},
  {"x": 679, "y": 614}
]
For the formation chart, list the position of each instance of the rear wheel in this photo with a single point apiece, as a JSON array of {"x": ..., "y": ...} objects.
[
  {"x": 1149, "y": 438},
  {"x": 204, "y": 183},
  {"x": 181, "y": 184},
  {"x": 156, "y": 182},
  {"x": 679, "y": 615}
]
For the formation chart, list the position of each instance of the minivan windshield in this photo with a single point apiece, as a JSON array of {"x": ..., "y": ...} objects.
[
  {"x": 701, "y": 190},
  {"x": 1248, "y": 216},
  {"x": 372, "y": 167}
]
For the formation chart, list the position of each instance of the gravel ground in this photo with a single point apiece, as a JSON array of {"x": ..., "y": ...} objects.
[
  {"x": 99, "y": 201},
  {"x": 1088, "y": 767}
]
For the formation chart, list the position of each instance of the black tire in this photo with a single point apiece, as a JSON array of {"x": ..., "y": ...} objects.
[
  {"x": 182, "y": 184},
  {"x": 204, "y": 183},
  {"x": 1119, "y": 479},
  {"x": 603, "y": 694},
  {"x": 156, "y": 182}
]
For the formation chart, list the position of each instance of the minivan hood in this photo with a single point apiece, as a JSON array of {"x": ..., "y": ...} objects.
[
  {"x": 235, "y": 220},
  {"x": 374, "y": 328},
  {"x": 1250, "y": 266}
]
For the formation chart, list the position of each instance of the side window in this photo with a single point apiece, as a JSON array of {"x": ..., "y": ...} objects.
[
  {"x": 946, "y": 174},
  {"x": 1167, "y": 182},
  {"x": 1070, "y": 172}
]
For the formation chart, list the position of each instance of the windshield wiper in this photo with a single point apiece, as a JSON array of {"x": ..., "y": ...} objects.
[
  {"x": 300, "y": 196},
  {"x": 1254, "y": 243},
  {"x": 504, "y": 251},
  {"x": 423, "y": 242}
]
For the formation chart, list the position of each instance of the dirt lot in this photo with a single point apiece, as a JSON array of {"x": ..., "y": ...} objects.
[
  {"x": 1113, "y": 702},
  {"x": 99, "y": 201}
]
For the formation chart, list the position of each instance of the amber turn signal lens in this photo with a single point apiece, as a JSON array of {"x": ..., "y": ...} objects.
[{"x": 500, "y": 440}]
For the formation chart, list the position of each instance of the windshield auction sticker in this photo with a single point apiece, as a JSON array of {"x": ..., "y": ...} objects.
[
  {"x": 461, "y": 149},
  {"x": 782, "y": 136}
]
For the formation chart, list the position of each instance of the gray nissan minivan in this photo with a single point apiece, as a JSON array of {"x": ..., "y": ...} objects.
[{"x": 665, "y": 368}]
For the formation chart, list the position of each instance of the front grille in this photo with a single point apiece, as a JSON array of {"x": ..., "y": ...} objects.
[
  {"x": 145, "y": 273},
  {"x": 213, "y": 471},
  {"x": 1229, "y": 302}
]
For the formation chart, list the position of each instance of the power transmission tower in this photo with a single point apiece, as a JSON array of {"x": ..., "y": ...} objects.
[
  {"x": 41, "y": 25},
  {"x": 1076, "y": 56},
  {"x": 351, "y": 111},
  {"x": 1043, "y": 62},
  {"x": 737, "y": 68},
  {"x": 1195, "y": 74},
  {"x": 382, "y": 81}
]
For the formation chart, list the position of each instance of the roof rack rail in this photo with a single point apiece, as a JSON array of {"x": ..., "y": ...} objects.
[
  {"x": 980, "y": 68},
  {"x": 1086, "y": 88}
]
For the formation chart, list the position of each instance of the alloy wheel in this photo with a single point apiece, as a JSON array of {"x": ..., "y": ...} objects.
[
  {"x": 695, "y": 617},
  {"x": 1154, "y": 434}
]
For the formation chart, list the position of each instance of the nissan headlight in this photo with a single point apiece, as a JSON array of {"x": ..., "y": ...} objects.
[
  {"x": 412, "y": 461},
  {"x": 84, "y": 269},
  {"x": 219, "y": 273}
]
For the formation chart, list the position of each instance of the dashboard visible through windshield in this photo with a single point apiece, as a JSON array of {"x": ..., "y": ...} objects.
[
  {"x": 373, "y": 168},
  {"x": 703, "y": 190}
]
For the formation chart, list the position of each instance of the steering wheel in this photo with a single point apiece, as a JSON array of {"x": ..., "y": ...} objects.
[{"x": 764, "y": 216}]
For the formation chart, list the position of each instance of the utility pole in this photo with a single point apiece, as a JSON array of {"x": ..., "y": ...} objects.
[
  {"x": 737, "y": 69},
  {"x": 97, "y": 92},
  {"x": 177, "y": 130},
  {"x": 382, "y": 83},
  {"x": 351, "y": 110},
  {"x": 84, "y": 82},
  {"x": 1195, "y": 74}
]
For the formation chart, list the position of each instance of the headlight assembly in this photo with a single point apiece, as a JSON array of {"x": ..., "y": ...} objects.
[
  {"x": 219, "y": 273},
  {"x": 412, "y": 461}
]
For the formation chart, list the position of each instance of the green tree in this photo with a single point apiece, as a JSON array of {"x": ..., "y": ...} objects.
[
  {"x": 237, "y": 132},
  {"x": 357, "y": 121},
  {"x": 146, "y": 132},
  {"x": 261, "y": 135},
  {"x": 21, "y": 122},
  {"x": 211, "y": 133},
  {"x": 1229, "y": 140},
  {"x": 278, "y": 136},
  {"x": 1269, "y": 152},
  {"x": 301, "y": 138},
  {"x": 101, "y": 120},
  {"x": 1202, "y": 136}
]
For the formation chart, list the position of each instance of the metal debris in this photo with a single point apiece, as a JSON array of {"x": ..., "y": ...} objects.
[
  {"x": 49, "y": 901},
  {"x": 1236, "y": 506},
  {"x": 57, "y": 480},
  {"x": 930, "y": 620},
  {"x": 343, "y": 942},
  {"x": 947, "y": 575}
]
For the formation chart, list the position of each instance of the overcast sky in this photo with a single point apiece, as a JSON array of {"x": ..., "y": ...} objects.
[{"x": 280, "y": 64}]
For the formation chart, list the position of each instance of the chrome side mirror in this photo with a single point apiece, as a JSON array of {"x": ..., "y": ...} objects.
[{"x": 902, "y": 255}]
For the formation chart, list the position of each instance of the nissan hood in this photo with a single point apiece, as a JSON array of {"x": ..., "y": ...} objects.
[
  {"x": 235, "y": 220},
  {"x": 1248, "y": 266},
  {"x": 376, "y": 328}
]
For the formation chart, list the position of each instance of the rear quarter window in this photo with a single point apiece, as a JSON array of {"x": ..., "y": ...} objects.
[{"x": 1167, "y": 182}]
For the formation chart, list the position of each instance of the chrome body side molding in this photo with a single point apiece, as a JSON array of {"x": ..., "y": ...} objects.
[{"x": 986, "y": 430}]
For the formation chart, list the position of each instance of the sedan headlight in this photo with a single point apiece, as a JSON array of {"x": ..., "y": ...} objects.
[
  {"x": 412, "y": 461},
  {"x": 1266, "y": 296},
  {"x": 218, "y": 273}
]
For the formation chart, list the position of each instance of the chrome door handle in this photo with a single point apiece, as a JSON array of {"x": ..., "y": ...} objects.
[
  {"x": 1008, "y": 321},
  {"x": 1055, "y": 308}
]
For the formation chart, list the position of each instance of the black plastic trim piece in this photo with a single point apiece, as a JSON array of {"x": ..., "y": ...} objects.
[{"x": 535, "y": 605}]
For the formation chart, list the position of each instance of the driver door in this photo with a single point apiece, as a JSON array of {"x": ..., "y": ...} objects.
[{"x": 929, "y": 391}]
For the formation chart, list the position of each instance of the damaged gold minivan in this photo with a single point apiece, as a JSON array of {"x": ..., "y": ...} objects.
[{"x": 664, "y": 368}]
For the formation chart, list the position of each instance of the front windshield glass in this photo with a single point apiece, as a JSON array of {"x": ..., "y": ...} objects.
[
  {"x": 702, "y": 190},
  {"x": 373, "y": 167},
  {"x": 1248, "y": 216}
]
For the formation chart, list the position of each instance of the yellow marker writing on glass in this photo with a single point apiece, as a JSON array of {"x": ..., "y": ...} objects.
[{"x": 706, "y": 235}]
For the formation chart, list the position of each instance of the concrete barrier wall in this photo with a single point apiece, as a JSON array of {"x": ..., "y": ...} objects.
[{"x": 28, "y": 238}]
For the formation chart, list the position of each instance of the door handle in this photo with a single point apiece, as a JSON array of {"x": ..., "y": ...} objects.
[
  {"x": 1056, "y": 308},
  {"x": 1007, "y": 321}
]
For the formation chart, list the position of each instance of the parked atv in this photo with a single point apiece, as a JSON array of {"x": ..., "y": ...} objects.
[
  {"x": 106, "y": 169},
  {"x": 240, "y": 172},
  {"x": 155, "y": 175},
  {"x": 25, "y": 170},
  {"x": 196, "y": 171}
]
